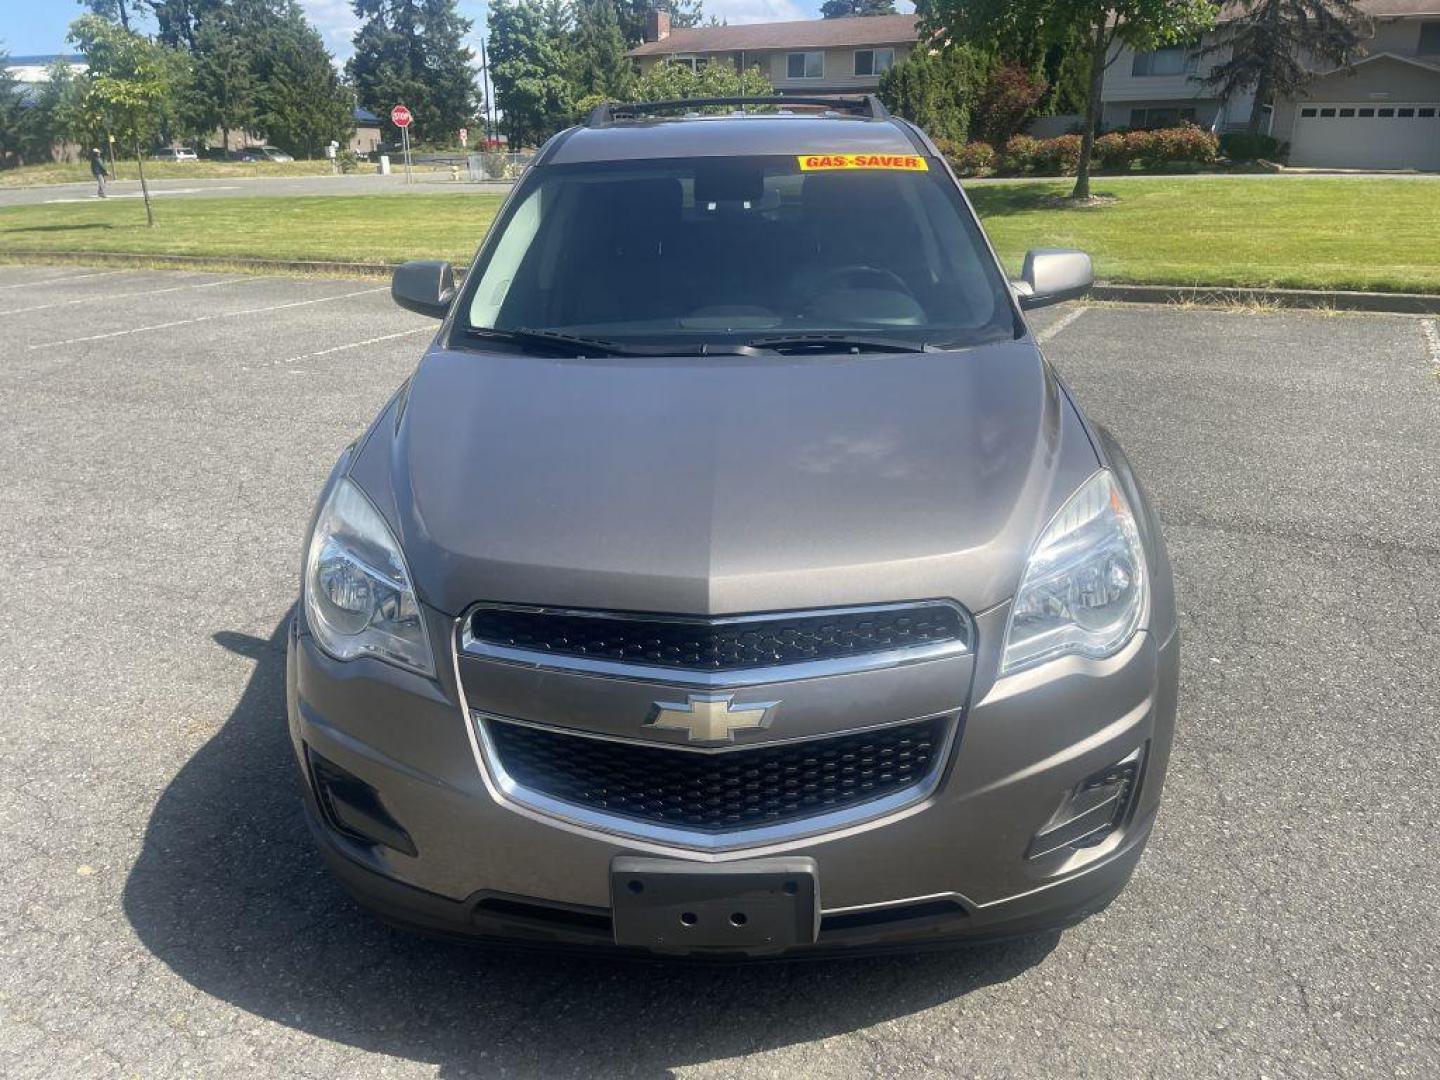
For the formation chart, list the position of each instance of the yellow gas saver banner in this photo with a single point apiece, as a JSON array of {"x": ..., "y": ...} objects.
[{"x": 906, "y": 162}]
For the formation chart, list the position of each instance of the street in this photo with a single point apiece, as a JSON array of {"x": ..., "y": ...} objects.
[
  {"x": 165, "y": 915},
  {"x": 366, "y": 183}
]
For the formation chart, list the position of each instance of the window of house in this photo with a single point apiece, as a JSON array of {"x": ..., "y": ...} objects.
[
  {"x": 1429, "y": 39},
  {"x": 1406, "y": 112},
  {"x": 1161, "y": 117},
  {"x": 1427, "y": 112},
  {"x": 1347, "y": 112},
  {"x": 874, "y": 61},
  {"x": 1171, "y": 60},
  {"x": 1387, "y": 112},
  {"x": 805, "y": 65},
  {"x": 1367, "y": 112},
  {"x": 694, "y": 63},
  {"x": 1307, "y": 112},
  {"x": 1327, "y": 112}
]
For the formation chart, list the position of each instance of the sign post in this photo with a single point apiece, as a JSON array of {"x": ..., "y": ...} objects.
[{"x": 401, "y": 117}]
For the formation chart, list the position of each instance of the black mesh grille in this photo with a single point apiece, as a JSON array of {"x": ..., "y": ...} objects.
[
  {"x": 737, "y": 789},
  {"x": 720, "y": 646}
]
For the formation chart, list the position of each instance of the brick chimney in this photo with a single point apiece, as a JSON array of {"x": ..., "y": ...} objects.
[{"x": 657, "y": 25}]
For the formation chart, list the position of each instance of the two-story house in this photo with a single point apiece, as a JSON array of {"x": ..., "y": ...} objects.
[
  {"x": 814, "y": 56},
  {"x": 1381, "y": 112}
]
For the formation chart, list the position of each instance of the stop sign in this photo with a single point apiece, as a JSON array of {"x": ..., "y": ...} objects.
[{"x": 400, "y": 116}]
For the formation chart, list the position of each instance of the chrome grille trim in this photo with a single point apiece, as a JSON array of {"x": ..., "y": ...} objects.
[
  {"x": 697, "y": 840},
  {"x": 472, "y": 646}
]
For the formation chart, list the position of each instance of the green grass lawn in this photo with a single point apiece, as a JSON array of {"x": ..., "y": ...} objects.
[
  {"x": 61, "y": 172},
  {"x": 1311, "y": 233}
]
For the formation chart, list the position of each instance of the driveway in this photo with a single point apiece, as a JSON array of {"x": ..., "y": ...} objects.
[{"x": 163, "y": 915}]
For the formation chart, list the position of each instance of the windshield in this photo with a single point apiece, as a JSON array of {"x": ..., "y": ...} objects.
[{"x": 690, "y": 251}]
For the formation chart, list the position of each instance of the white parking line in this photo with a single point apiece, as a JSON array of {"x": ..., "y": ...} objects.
[
  {"x": 1059, "y": 324},
  {"x": 1431, "y": 334},
  {"x": 61, "y": 280},
  {"x": 202, "y": 318},
  {"x": 353, "y": 345},
  {"x": 127, "y": 295}
]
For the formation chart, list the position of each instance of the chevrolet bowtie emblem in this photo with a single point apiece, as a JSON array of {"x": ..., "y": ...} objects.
[{"x": 710, "y": 717}]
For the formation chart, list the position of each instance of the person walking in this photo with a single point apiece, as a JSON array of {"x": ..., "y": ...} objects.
[{"x": 98, "y": 170}]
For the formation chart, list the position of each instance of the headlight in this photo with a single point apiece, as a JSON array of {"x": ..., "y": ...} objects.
[
  {"x": 358, "y": 597},
  {"x": 1083, "y": 590}
]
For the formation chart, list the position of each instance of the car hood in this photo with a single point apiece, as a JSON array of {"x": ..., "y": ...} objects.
[{"x": 724, "y": 484}]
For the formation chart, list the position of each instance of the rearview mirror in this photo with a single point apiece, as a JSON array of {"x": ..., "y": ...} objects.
[
  {"x": 1052, "y": 275},
  {"x": 424, "y": 286}
]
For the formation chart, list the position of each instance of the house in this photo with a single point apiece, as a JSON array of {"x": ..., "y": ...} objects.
[
  {"x": 812, "y": 56},
  {"x": 1381, "y": 112},
  {"x": 366, "y": 139}
]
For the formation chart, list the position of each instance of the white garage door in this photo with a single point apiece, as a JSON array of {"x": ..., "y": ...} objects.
[{"x": 1367, "y": 135}]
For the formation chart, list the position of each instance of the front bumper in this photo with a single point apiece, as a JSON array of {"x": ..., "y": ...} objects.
[{"x": 959, "y": 865}]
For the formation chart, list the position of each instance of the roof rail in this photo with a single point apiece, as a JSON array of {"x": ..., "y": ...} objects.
[{"x": 607, "y": 112}]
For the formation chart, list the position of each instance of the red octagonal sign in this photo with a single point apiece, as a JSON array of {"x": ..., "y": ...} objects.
[{"x": 400, "y": 116}]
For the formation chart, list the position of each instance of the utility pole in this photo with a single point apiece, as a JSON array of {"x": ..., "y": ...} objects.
[{"x": 485, "y": 90}]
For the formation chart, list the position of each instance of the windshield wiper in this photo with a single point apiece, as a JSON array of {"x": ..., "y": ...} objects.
[
  {"x": 553, "y": 340},
  {"x": 839, "y": 343}
]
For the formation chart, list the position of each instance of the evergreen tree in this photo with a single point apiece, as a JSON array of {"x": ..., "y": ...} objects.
[
  {"x": 601, "y": 67},
  {"x": 1267, "y": 45},
  {"x": 934, "y": 90},
  {"x": 224, "y": 87},
  {"x": 529, "y": 67},
  {"x": 845, "y": 9},
  {"x": 412, "y": 52},
  {"x": 58, "y": 115},
  {"x": 301, "y": 105}
]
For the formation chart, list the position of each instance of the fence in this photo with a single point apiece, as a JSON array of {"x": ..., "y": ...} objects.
[{"x": 493, "y": 165}]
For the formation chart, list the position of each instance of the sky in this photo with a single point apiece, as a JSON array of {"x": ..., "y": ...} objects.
[{"x": 38, "y": 26}]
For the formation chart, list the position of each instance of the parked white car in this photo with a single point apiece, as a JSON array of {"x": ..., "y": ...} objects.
[{"x": 176, "y": 153}]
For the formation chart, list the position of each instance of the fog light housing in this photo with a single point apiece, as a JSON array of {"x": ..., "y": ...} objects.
[
  {"x": 1092, "y": 810},
  {"x": 353, "y": 808}
]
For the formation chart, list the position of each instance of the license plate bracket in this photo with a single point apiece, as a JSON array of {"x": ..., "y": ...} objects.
[{"x": 752, "y": 907}]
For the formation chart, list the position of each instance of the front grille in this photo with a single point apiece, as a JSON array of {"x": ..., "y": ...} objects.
[
  {"x": 718, "y": 645},
  {"x": 717, "y": 792}
]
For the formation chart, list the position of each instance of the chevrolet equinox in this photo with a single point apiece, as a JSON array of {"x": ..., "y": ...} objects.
[{"x": 733, "y": 576}]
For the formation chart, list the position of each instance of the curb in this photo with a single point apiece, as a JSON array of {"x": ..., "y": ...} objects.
[
  {"x": 1219, "y": 295},
  {"x": 1333, "y": 299}
]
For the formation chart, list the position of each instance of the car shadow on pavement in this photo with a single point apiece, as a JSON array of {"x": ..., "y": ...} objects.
[{"x": 228, "y": 892}]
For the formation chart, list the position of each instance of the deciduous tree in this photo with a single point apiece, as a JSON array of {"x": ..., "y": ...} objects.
[
  {"x": 1105, "y": 24},
  {"x": 844, "y": 9}
]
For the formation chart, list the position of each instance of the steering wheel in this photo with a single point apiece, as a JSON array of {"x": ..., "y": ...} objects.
[{"x": 855, "y": 276}]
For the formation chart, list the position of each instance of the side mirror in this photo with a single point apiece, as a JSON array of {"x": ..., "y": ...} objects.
[
  {"x": 424, "y": 286},
  {"x": 1052, "y": 275}
]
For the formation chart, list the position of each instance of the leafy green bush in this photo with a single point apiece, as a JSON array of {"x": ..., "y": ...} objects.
[
  {"x": 1020, "y": 153},
  {"x": 1243, "y": 146},
  {"x": 967, "y": 159},
  {"x": 1059, "y": 156},
  {"x": 1112, "y": 150},
  {"x": 1162, "y": 147},
  {"x": 347, "y": 161}
]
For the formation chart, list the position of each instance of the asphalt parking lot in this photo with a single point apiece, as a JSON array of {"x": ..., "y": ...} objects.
[{"x": 164, "y": 435}]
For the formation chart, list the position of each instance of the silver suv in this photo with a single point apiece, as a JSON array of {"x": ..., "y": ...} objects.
[{"x": 733, "y": 576}]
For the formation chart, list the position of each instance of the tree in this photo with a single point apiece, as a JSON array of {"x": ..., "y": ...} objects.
[
  {"x": 529, "y": 64},
  {"x": 1105, "y": 24},
  {"x": 600, "y": 64},
  {"x": 113, "y": 10},
  {"x": 224, "y": 86},
  {"x": 1007, "y": 99},
  {"x": 129, "y": 81},
  {"x": 301, "y": 105},
  {"x": 412, "y": 52},
  {"x": 672, "y": 82},
  {"x": 934, "y": 89},
  {"x": 14, "y": 123},
  {"x": 844, "y": 9},
  {"x": 1267, "y": 43},
  {"x": 58, "y": 114}
]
